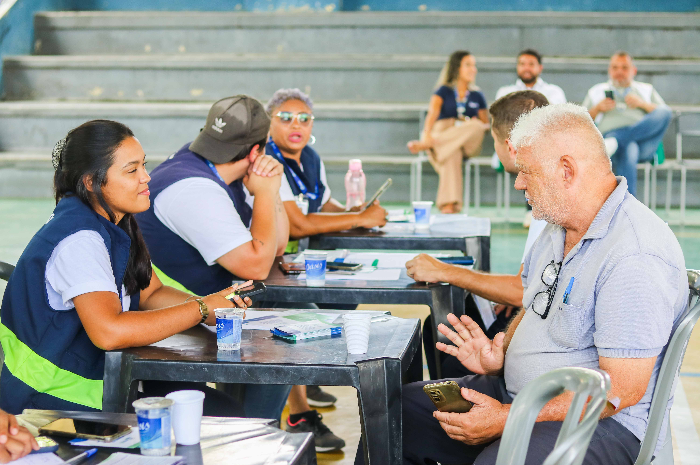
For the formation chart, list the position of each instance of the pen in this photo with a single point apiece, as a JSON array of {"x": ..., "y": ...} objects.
[
  {"x": 82, "y": 457},
  {"x": 375, "y": 263},
  {"x": 568, "y": 290}
]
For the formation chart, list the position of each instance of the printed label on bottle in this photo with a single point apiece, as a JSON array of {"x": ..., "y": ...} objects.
[
  {"x": 224, "y": 330},
  {"x": 315, "y": 269},
  {"x": 155, "y": 432}
]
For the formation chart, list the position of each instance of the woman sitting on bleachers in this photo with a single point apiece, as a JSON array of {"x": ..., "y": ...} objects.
[
  {"x": 76, "y": 287},
  {"x": 454, "y": 127}
]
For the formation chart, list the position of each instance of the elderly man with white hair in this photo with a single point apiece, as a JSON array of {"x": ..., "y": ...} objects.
[{"x": 604, "y": 283}]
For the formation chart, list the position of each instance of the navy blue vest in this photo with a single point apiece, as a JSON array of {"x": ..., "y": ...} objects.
[
  {"x": 171, "y": 253},
  {"x": 311, "y": 175},
  {"x": 56, "y": 336}
]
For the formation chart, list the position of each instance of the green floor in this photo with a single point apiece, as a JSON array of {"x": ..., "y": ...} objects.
[{"x": 20, "y": 219}]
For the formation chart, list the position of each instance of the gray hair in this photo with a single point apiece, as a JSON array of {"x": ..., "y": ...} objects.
[
  {"x": 283, "y": 95},
  {"x": 534, "y": 125}
]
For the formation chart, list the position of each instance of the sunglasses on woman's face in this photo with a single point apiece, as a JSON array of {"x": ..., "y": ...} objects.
[{"x": 287, "y": 117}]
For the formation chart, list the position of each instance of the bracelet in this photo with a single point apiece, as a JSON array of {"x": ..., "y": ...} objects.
[
  {"x": 203, "y": 310},
  {"x": 188, "y": 299}
]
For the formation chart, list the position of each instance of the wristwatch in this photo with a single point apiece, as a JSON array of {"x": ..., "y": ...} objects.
[{"x": 203, "y": 309}]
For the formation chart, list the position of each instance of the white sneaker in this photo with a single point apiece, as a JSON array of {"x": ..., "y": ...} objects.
[{"x": 610, "y": 146}]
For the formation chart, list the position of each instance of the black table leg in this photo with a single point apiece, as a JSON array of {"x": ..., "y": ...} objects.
[
  {"x": 380, "y": 406},
  {"x": 118, "y": 387}
]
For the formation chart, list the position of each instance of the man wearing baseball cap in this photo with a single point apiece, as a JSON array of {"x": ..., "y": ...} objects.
[{"x": 204, "y": 230}]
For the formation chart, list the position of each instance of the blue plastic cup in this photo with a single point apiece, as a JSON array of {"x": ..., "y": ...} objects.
[
  {"x": 422, "y": 214},
  {"x": 315, "y": 264}
]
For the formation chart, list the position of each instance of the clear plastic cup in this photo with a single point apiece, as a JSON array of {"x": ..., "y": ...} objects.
[
  {"x": 315, "y": 264},
  {"x": 422, "y": 214},
  {"x": 356, "y": 328},
  {"x": 153, "y": 414},
  {"x": 187, "y": 415},
  {"x": 229, "y": 325}
]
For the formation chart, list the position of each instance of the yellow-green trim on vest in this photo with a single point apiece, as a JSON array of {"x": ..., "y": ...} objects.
[
  {"x": 168, "y": 281},
  {"x": 292, "y": 247},
  {"x": 45, "y": 377}
]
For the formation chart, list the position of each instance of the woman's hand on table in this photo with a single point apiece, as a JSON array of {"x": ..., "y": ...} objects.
[
  {"x": 219, "y": 300},
  {"x": 15, "y": 441}
]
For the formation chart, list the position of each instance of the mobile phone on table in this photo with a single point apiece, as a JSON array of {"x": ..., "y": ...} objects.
[
  {"x": 378, "y": 194},
  {"x": 46, "y": 444},
  {"x": 610, "y": 94},
  {"x": 248, "y": 291},
  {"x": 342, "y": 266},
  {"x": 85, "y": 429},
  {"x": 447, "y": 397},
  {"x": 292, "y": 268}
]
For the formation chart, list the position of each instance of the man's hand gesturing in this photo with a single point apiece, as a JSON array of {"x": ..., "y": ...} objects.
[{"x": 472, "y": 348}]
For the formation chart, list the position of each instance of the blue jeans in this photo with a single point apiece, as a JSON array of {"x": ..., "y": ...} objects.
[
  {"x": 638, "y": 143},
  {"x": 265, "y": 400},
  {"x": 268, "y": 400}
]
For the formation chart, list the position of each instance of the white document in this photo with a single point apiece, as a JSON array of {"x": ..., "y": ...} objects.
[
  {"x": 376, "y": 275},
  {"x": 121, "y": 458},
  {"x": 130, "y": 441},
  {"x": 485, "y": 310},
  {"x": 39, "y": 459},
  {"x": 384, "y": 259},
  {"x": 277, "y": 319},
  {"x": 332, "y": 254}
]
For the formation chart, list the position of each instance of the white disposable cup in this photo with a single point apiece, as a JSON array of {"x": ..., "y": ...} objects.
[
  {"x": 187, "y": 416},
  {"x": 421, "y": 211},
  {"x": 356, "y": 328}
]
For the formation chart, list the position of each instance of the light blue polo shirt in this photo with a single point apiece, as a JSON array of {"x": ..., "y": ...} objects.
[{"x": 630, "y": 286}]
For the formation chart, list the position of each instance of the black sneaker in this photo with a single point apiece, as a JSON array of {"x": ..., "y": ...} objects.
[
  {"x": 310, "y": 422},
  {"x": 317, "y": 397}
]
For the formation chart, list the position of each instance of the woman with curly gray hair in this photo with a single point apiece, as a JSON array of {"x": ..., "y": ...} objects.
[{"x": 292, "y": 116}]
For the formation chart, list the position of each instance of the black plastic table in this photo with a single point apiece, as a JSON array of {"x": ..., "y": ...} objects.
[
  {"x": 193, "y": 356},
  {"x": 447, "y": 232},
  {"x": 223, "y": 440},
  {"x": 440, "y": 297}
]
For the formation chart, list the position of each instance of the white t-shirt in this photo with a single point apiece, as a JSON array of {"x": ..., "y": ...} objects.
[
  {"x": 554, "y": 93},
  {"x": 201, "y": 212},
  {"x": 286, "y": 193},
  {"x": 78, "y": 265},
  {"x": 536, "y": 227}
]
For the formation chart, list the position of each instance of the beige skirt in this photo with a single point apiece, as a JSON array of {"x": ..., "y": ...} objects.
[{"x": 451, "y": 144}]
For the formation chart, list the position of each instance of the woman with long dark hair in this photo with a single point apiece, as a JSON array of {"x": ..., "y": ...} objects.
[
  {"x": 454, "y": 127},
  {"x": 78, "y": 284}
]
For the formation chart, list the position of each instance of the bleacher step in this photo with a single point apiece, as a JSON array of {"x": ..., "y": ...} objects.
[
  {"x": 489, "y": 33},
  {"x": 347, "y": 77}
]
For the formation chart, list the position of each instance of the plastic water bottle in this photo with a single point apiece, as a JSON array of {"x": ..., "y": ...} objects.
[{"x": 355, "y": 183}]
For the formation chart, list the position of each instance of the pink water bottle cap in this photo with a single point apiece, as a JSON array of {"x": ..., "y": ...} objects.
[{"x": 355, "y": 164}]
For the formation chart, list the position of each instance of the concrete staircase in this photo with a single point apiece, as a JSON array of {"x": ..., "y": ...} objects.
[{"x": 370, "y": 74}]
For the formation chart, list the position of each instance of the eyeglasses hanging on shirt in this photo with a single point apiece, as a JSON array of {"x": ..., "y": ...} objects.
[
  {"x": 543, "y": 300},
  {"x": 297, "y": 179}
]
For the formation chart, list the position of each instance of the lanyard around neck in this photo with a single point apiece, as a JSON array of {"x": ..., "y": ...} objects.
[
  {"x": 213, "y": 169},
  {"x": 300, "y": 184},
  {"x": 461, "y": 105}
]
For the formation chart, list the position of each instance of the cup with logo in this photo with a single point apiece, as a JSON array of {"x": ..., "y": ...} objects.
[
  {"x": 315, "y": 265},
  {"x": 422, "y": 214},
  {"x": 153, "y": 415},
  {"x": 229, "y": 326}
]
